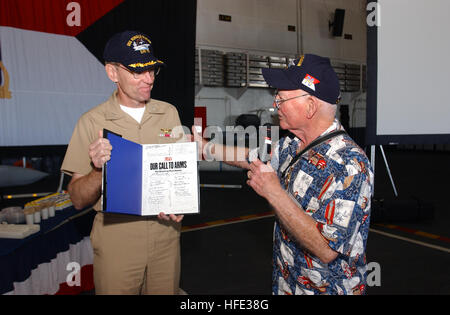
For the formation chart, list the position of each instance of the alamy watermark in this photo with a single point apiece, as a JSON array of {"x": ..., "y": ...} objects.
[
  {"x": 373, "y": 274},
  {"x": 74, "y": 17},
  {"x": 73, "y": 279},
  {"x": 373, "y": 17},
  {"x": 230, "y": 137}
]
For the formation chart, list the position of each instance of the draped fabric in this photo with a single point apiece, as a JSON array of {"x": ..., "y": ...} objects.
[
  {"x": 51, "y": 67},
  {"x": 38, "y": 264},
  {"x": 50, "y": 277},
  {"x": 53, "y": 79}
]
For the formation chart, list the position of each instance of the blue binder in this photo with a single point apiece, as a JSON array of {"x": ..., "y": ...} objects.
[{"x": 122, "y": 178}]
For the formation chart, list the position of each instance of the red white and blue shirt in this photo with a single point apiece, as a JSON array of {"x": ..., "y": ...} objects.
[{"x": 333, "y": 183}]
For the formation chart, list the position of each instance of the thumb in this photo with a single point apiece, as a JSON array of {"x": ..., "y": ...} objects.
[
  {"x": 268, "y": 167},
  {"x": 195, "y": 133},
  {"x": 100, "y": 133}
]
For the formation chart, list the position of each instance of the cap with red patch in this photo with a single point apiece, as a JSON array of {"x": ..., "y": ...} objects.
[{"x": 310, "y": 73}]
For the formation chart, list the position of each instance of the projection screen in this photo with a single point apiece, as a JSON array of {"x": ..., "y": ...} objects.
[{"x": 408, "y": 72}]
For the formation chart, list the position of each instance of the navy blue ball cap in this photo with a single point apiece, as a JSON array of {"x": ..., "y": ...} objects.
[
  {"x": 310, "y": 73},
  {"x": 132, "y": 49}
]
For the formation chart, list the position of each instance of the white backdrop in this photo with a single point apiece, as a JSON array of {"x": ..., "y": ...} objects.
[
  {"x": 54, "y": 79},
  {"x": 413, "y": 67}
]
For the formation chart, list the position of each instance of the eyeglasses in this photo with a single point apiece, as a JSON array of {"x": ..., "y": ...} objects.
[
  {"x": 279, "y": 101},
  {"x": 152, "y": 72}
]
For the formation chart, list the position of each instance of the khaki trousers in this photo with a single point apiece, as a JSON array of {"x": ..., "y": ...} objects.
[{"x": 134, "y": 255}]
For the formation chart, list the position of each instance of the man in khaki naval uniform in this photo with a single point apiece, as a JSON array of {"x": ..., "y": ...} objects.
[{"x": 132, "y": 255}]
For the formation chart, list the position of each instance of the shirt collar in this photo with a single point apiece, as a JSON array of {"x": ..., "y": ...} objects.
[
  {"x": 113, "y": 110},
  {"x": 336, "y": 125}
]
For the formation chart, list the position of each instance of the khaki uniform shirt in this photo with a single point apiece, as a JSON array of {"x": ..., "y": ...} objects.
[{"x": 160, "y": 124}]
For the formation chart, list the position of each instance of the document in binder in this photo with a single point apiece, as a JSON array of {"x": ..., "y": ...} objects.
[{"x": 147, "y": 179}]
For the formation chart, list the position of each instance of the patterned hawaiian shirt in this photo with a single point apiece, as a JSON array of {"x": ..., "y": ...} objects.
[{"x": 333, "y": 183}]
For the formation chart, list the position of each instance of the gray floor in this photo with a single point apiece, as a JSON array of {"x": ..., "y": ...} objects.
[{"x": 402, "y": 247}]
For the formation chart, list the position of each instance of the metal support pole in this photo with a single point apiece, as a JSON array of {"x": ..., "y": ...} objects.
[
  {"x": 389, "y": 171},
  {"x": 372, "y": 160}
]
